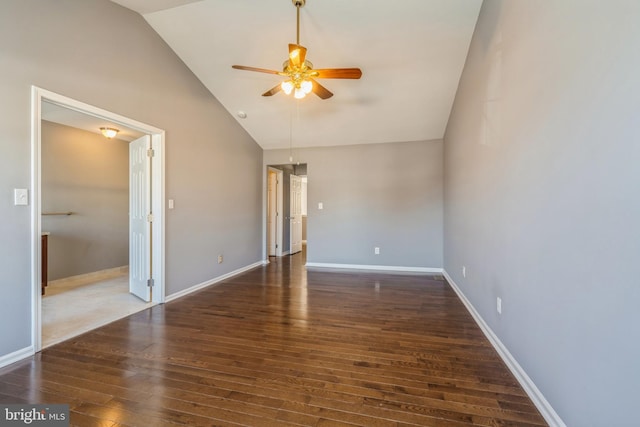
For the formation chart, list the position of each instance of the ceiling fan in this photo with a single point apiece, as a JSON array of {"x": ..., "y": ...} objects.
[{"x": 300, "y": 73}]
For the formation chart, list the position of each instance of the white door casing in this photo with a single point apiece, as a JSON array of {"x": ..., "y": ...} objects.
[
  {"x": 155, "y": 181},
  {"x": 277, "y": 211},
  {"x": 139, "y": 218},
  {"x": 295, "y": 214}
]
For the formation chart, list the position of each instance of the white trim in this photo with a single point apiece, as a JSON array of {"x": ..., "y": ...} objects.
[
  {"x": 16, "y": 356},
  {"x": 375, "y": 267},
  {"x": 36, "y": 225},
  {"x": 94, "y": 275},
  {"x": 265, "y": 213},
  {"x": 280, "y": 208},
  {"x": 158, "y": 188},
  {"x": 218, "y": 279},
  {"x": 81, "y": 107},
  {"x": 158, "y": 209},
  {"x": 545, "y": 408}
]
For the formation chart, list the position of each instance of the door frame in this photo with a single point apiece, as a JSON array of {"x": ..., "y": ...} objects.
[
  {"x": 272, "y": 209},
  {"x": 279, "y": 207},
  {"x": 293, "y": 216},
  {"x": 157, "y": 182}
]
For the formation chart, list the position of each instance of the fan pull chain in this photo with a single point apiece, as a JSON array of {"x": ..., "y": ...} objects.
[
  {"x": 298, "y": 24},
  {"x": 291, "y": 136},
  {"x": 297, "y": 118}
]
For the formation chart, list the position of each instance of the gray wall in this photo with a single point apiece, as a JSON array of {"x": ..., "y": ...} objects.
[
  {"x": 385, "y": 195},
  {"x": 105, "y": 55},
  {"x": 541, "y": 197},
  {"x": 87, "y": 174}
]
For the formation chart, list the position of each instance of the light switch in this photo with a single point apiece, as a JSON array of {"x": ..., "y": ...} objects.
[
  {"x": 170, "y": 203},
  {"x": 21, "y": 196},
  {"x": 320, "y": 206}
]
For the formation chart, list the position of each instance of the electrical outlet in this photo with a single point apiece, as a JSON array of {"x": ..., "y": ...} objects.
[
  {"x": 464, "y": 271},
  {"x": 220, "y": 259},
  {"x": 376, "y": 250},
  {"x": 499, "y": 305}
]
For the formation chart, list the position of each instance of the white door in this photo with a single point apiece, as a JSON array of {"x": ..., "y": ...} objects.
[
  {"x": 139, "y": 218},
  {"x": 274, "y": 207},
  {"x": 272, "y": 212},
  {"x": 295, "y": 214}
]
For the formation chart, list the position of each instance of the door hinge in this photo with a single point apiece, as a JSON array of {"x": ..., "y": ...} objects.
[
  {"x": 150, "y": 218},
  {"x": 150, "y": 152},
  {"x": 276, "y": 246},
  {"x": 150, "y": 283}
]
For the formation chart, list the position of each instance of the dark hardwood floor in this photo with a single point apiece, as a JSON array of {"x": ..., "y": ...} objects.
[{"x": 282, "y": 346}]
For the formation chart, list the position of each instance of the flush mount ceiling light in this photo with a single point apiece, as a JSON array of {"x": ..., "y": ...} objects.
[
  {"x": 300, "y": 73},
  {"x": 109, "y": 132}
]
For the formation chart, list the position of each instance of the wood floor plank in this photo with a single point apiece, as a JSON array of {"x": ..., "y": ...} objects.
[{"x": 284, "y": 346}]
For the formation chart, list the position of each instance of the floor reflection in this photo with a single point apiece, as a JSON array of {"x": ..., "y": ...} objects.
[{"x": 290, "y": 292}]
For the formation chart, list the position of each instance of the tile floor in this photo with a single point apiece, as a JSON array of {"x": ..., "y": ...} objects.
[{"x": 82, "y": 303}]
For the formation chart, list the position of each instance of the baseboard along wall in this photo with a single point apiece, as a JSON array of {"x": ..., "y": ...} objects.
[
  {"x": 213, "y": 281},
  {"x": 16, "y": 356},
  {"x": 375, "y": 267},
  {"x": 545, "y": 408}
]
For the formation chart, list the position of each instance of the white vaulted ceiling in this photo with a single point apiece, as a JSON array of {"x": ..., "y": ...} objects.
[{"x": 411, "y": 54}]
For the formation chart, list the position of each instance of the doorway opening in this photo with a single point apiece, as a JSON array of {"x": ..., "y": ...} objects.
[
  {"x": 286, "y": 223},
  {"x": 144, "y": 184}
]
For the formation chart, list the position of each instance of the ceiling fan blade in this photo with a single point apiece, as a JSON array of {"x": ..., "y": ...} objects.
[
  {"x": 259, "y": 70},
  {"x": 320, "y": 90},
  {"x": 338, "y": 73},
  {"x": 297, "y": 55},
  {"x": 273, "y": 90}
]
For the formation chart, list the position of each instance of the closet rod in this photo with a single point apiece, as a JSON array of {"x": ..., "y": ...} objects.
[{"x": 57, "y": 213}]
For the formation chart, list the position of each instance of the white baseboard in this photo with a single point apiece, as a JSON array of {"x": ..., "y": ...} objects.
[
  {"x": 212, "y": 281},
  {"x": 10, "y": 358},
  {"x": 545, "y": 408},
  {"x": 375, "y": 267},
  {"x": 93, "y": 276}
]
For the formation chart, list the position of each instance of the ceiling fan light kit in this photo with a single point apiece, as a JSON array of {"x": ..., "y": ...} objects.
[{"x": 300, "y": 73}]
